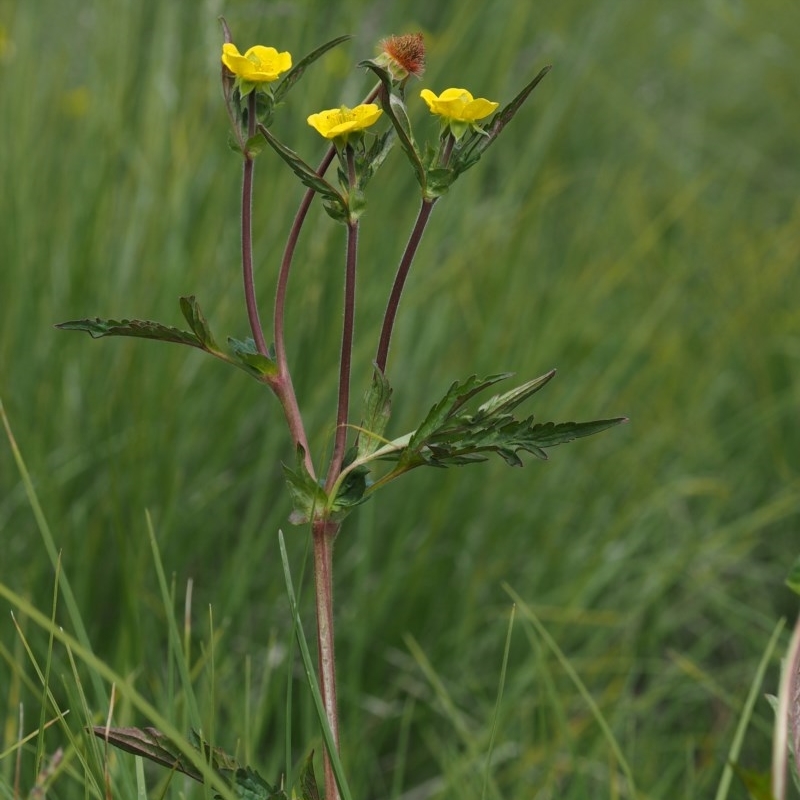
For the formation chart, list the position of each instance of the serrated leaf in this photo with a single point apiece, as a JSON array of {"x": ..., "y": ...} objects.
[
  {"x": 377, "y": 410},
  {"x": 251, "y": 786},
  {"x": 149, "y": 743},
  {"x": 471, "y": 151},
  {"x": 507, "y": 402},
  {"x": 257, "y": 364},
  {"x": 306, "y": 173},
  {"x": 371, "y": 161},
  {"x": 198, "y": 323},
  {"x": 308, "y": 781},
  {"x": 138, "y": 328},
  {"x": 308, "y": 496},
  {"x": 457, "y": 395},
  {"x": 296, "y": 72},
  {"x": 396, "y": 111}
]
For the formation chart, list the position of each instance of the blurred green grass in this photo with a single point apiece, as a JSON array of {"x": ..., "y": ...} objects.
[{"x": 635, "y": 227}]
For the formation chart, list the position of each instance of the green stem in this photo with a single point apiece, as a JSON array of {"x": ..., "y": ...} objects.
[{"x": 399, "y": 281}]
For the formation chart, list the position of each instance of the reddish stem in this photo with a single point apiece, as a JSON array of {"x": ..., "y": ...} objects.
[
  {"x": 399, "y": 281},
  {"x": 247, "y": 234},
  {"x": 324, "y": 533}
]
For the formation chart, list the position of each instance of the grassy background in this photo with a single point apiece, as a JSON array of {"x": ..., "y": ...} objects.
[{"x": 636, "y": 227}]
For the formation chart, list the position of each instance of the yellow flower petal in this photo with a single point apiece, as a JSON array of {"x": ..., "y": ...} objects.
[
  {"x": 458, "y": 105},
  {"x": 340, "y": 121},
  {"x": 258, "y": 65}
]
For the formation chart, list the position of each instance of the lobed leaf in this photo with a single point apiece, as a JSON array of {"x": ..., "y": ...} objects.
[
  {"x": 308, "y": 496},
  {"x": 256, "y": 364},
  {"x": 457, "y": 395},
  {"x": 198, "y": 323},
  {"x": 377, "y": 410},
  {"x": 474, "y": 147},
  {"x": 149, "y": 743},
  {"x": 138, "y": 328},
  {"x": 251, "y": 786}
]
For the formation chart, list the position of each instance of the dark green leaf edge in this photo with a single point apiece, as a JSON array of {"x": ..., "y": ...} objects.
[
  {"x": 296, "y": 72},
  {"x": 390, "y": 100}
]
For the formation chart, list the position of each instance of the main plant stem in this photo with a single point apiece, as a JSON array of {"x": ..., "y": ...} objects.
[{"x": 324, "y": 533}]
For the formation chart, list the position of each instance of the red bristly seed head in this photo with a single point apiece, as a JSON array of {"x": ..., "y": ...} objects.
[{"x": 404, "y": 55}]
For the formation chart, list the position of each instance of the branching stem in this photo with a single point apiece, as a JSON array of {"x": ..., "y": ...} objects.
[{"x": 399, "y": 281}]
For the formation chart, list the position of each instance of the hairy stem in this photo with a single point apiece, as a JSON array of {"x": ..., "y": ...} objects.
[
  {"x": 247, "y": 234},
  {"x": 343, "y": 410},
  {"x": 324, "y": 533},
  {"x": 399, "y": 281}
]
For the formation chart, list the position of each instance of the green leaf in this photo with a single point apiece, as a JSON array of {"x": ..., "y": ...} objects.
[
  {"x": 256, "y": 364},
  {"x": 254, "y": 145},
  {"x": 377, "y": 410},
  {"x": 148, "y": 743},
  {"x": 350, "y": 493},
  {"x": 296, "y": 72},
  {"x": 369, "y": 163},
  {"x": 446, "y": 438},
  {"x": 505, "y": 403},
  {"x": 457, "y": 395},
  {"x": 308, "y": 781},
  {"x": 306, "y": 173},
  {"x": 793, "y": 579},
  {"x": 198, "y": 323},
  {"x": 472, "y": 149},
  {"x": 138, "y": 328},
  {"x": 308, "y": 497},
  {"x": 251, "y": 786},
  {"x": 758, "y": 784},
  {"x": 395, "y": 109}
]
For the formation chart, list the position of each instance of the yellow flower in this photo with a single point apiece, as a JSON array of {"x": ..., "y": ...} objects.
[
  {"x": 458, "y": 105},
  {"x": 258, "y": 65},
  {"x": 342, "y": 121}
]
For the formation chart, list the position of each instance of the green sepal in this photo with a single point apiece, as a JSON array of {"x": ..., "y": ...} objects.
[
  {"x": 469, "y": 151},
  {"x": 395, "y": 109},
  {"x": 308, "y": 497},
  {"x": 309, "y": 790},
  {"x": 255, "y": 363},
  {"x": 306, "y": 173},
  {"x": 377, "y": 410},
  {"x": 296, "y": 72}
]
